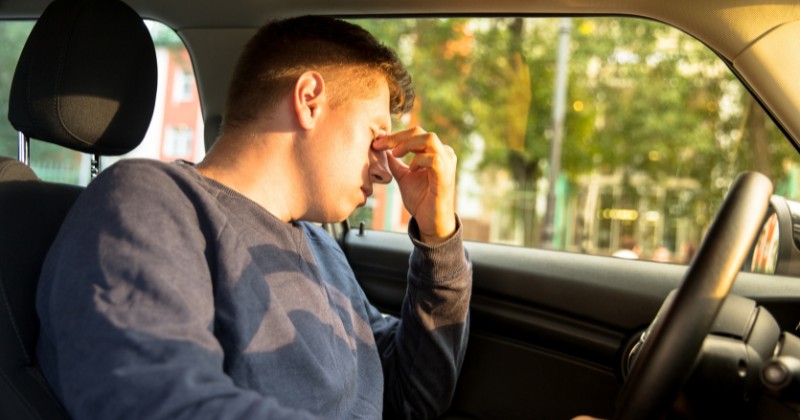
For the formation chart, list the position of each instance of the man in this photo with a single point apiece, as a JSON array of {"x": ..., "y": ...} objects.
[
  {"x": 629, "y": 249},
  {"x": 175, "y": 291}
]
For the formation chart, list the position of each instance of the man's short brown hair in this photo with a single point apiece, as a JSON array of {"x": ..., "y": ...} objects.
[{"x": 282, "y": 50}]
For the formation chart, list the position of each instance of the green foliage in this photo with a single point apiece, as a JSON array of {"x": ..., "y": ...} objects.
[
  {"x": 13, "y": 36},
  {"x": 163, "y": 36},
  {"x": 437, "y": 52},
  {"x": 644, "y": 100}
]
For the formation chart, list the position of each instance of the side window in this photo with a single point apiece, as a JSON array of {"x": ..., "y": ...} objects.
[
  {"x": 607, "y": 136},
  {"x": 13, "y": 35},
  {"x": 175, "y": 131}
]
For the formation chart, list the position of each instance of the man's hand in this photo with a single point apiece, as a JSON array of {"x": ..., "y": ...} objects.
[{"x": 428, "y": 184}]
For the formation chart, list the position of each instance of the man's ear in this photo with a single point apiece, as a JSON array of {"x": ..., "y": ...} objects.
[{"x": 309, "y": 95}]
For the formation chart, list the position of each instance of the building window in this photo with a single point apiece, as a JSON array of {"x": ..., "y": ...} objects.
[
  {"x": 178, "y": 141},
  {"x": 182, "y": 86}
]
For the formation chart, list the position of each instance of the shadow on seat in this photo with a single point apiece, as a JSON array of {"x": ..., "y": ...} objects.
[{"x": 86, "y": 80}]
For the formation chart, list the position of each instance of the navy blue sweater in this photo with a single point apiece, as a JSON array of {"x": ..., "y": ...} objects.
[{"x": 168, "y": 295}]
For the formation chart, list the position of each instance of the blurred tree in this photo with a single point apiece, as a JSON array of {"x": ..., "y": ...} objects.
[
  {"x": 13, "y": 35},
  {"x": 439, "y": 54},
  {"x": 515, "y": 67},
  {"x": 164, "y": 36},
  {"x": 668, "y": 107},
  {"x": 644, "y": 100}
]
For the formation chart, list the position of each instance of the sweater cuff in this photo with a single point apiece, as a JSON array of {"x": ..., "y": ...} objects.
[{"x": 440, "y": 262}]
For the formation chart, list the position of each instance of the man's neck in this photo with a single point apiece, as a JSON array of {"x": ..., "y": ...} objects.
[{"x": 260, "y": 167}]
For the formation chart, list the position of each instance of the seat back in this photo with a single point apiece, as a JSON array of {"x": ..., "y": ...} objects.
[
  {"x": 30, "y": 215},
  {"x": 86, "y": 80}
]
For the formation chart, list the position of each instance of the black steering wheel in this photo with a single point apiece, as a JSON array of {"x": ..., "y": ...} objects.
[{"x": 673, "y": 341}]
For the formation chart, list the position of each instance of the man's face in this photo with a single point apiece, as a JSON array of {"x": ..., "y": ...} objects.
[{"x": 342, "y": 166}]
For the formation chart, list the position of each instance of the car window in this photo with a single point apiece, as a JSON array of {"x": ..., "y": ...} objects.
[
  {"x": 175, "y": 132},
  {"x": 607, "y": 136}
]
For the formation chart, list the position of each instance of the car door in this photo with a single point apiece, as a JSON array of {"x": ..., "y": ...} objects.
[
  {"x": 549, "y": 329},
  {"x": 555, "y": 308}
]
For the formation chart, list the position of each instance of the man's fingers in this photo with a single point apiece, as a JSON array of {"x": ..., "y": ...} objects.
[
  {"x": 414, "y": 140},
  {"x": 389, "y": 141},
  {"x": 423, "y": 143},
  {"x": 396, "y": 166},
  {"x": 428, "y": 150},
  {"x": 423, "y": 160}
]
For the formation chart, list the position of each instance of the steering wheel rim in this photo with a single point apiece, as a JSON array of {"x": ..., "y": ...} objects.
[{"x": 675, "y": 337}]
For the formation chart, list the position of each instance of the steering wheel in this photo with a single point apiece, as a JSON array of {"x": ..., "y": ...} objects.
[{"x": 675, "y": 337}]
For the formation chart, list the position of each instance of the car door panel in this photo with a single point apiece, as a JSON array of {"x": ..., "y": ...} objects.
[{"x": 548, "y": 328}]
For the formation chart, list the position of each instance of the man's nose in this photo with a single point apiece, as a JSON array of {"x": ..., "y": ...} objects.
[{"x": 379, "y": 167}]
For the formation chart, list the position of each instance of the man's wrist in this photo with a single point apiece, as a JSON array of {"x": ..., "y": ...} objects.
[
  {"x": 438, "y": 262},
  {"x": 435, "y": 239},
  {"x": 446, "y": 233}
]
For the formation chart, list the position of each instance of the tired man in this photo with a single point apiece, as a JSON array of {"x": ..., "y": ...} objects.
[{"x": 178, "y": 291}]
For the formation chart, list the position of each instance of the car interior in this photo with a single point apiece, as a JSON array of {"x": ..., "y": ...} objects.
[{"x": 554, "y": 334}]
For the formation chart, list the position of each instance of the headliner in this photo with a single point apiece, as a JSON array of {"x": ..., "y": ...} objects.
[{"x": 750, "y": 18}]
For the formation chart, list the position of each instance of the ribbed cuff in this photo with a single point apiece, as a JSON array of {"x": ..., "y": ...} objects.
[{"x": 440, "y": 262}]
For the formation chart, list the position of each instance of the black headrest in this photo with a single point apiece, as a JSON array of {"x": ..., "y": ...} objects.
[{"x": 86, "y": 78}]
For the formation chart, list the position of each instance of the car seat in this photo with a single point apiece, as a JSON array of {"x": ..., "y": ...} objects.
[{"x": 86, "y": 80}]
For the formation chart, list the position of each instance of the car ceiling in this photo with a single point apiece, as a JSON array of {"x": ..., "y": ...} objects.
[
  {"x": 747, "y": 19},
  {"x": 743, "y": 32}
]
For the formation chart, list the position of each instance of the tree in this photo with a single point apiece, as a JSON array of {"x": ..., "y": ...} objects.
[
  {"x": 13, "y": 36},
  {"x": 644, "y": 101}
]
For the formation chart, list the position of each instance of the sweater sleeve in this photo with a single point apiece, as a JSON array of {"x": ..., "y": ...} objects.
[
  {"x": 422, "y": 352},
  {"x": 127, "y": 308}
]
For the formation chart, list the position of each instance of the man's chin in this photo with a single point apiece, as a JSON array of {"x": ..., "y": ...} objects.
[
  {"x": 339, "y": 216},
  {"x": 342, "y": 217}
]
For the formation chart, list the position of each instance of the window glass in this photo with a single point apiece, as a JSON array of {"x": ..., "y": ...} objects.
[
  {"x": 178, "y": 142},
  {"x": 608, "y": 136},
  {"x": 12, "y": 36},
  {"x": 176, "y": 129}
]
